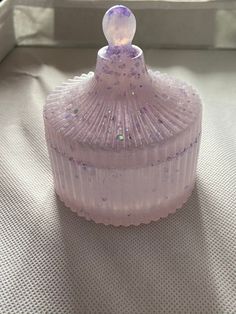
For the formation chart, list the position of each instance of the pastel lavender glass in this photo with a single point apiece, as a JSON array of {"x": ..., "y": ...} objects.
[{"x": 123, "y": 141}]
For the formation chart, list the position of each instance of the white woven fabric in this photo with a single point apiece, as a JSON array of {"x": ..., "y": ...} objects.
[{"x": 51, "y": 261}]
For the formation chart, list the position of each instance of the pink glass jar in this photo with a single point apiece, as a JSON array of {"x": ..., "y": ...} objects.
[{"x": 123, "y": 141}]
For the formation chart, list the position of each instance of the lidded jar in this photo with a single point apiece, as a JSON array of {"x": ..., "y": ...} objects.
[{"x": 123, "y": 141}]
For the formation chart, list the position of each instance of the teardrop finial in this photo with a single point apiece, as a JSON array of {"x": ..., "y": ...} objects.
[{"x": 119, "y": 26}]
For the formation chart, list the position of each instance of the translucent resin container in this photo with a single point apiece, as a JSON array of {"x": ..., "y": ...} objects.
[{"x": 123, "y": 141}]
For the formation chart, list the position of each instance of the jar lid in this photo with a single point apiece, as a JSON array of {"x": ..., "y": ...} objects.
[{"x": 123, "y": 105}]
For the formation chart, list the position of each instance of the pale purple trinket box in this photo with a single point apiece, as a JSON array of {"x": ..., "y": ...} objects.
[{"x": 123, "y": 141}]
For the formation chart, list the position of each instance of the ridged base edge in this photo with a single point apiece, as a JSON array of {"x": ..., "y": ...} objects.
[{"x": 162, "y": 211}]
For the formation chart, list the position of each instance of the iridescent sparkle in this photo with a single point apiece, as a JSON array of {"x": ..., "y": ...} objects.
[{"x": 120, "y": 137}]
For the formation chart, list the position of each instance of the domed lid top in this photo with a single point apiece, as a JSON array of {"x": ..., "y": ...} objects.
[{"x": 122, "y": 105}]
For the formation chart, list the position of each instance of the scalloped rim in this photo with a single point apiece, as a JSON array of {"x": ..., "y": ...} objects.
[{"x": 159, "y": 215}]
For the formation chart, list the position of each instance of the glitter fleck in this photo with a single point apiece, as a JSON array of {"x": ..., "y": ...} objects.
[
  {"x": 68, "y": 116},
  {"x": 165, "y": 96},
  {"x": 84, "y": 166},
  {"x": 143, "y": 110},
  {"x": 132, "y": 93},
  {"x": 120, "y": 137}
]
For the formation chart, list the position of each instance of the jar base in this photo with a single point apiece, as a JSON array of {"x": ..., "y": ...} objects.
[{"x": 147, "y": 216}]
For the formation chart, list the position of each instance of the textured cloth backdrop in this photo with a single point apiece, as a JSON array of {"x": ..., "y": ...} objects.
[{"x": 51, "y": 261}]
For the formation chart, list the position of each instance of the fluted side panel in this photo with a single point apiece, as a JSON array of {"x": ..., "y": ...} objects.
[{"x": 125, "y": 196}]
